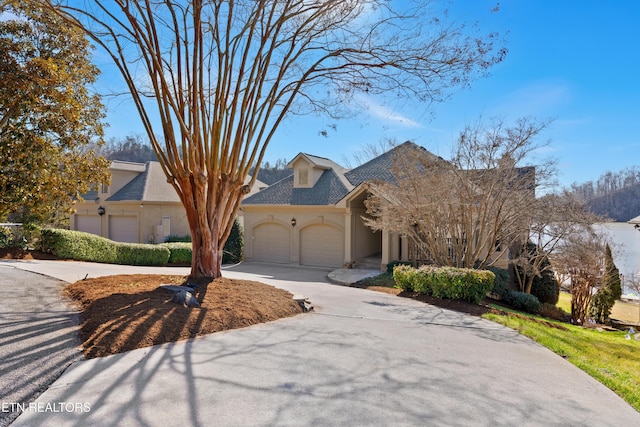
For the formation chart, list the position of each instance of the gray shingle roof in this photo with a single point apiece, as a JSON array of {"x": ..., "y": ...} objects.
[
  {"x": 328, "y": 191},
  {"x": 150, "y": 186},
  {"x": 379, "y": 168},
  {"x": 336, "y": 182}
]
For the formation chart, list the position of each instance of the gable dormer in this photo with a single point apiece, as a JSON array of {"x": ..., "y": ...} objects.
[{"x": 308, "y": 169}]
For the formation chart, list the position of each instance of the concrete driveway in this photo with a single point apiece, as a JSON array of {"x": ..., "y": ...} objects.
[{"x": 363, "y": 358}]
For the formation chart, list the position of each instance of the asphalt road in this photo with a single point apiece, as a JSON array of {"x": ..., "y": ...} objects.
[{"x": 38, "y": 339}]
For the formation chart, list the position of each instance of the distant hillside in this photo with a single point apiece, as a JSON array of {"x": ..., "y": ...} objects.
[
  {"x": 270, "y": 173},
  {"x": 620, "y": 206}
]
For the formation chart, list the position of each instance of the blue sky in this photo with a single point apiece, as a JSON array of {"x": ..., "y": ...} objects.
[{"x": 575, "y": 61}]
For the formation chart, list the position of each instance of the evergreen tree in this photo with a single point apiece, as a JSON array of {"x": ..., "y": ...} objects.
[
  {"x": 609, "y": 292},
  {"x": 611, "y": 277}
]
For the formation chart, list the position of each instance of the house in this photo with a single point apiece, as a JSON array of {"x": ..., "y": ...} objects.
[
  {"x": 314, "y": 217},
  {"x": 139, "y": 206}
]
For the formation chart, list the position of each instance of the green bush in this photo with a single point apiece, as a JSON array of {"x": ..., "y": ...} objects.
[
  {"x": 6, "y": 237},
  {"x": 522, "y": 301},
  {"x": 180, "y": 253},
  {"x": 502, "y": 281},
  {"x": 234, "y": 247},
  {"x": 402, "y": 276},
  {"x": 178, "y": 239},
  {"x": 17, "y": 237},
  {"x": 393, "y": 264},
  {"x": 546, "y": 288},
  {"x": 232, "y": 253},
  {"x": 81, "y": 246},
  {"x": 445, "y": 282}
]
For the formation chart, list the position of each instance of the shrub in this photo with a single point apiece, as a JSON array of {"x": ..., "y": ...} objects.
[
  {"x": 141, "y": 254},
  {"x": 233, "y": 251},
  {"x": 522, "y": 301},
  {"x": 601, "y": 304},
  {"x": 402, "y": 276},
  {"x": 180, "y": 253},
  {"x": 501, "y": 282},
  {"x": 81, "y": 246},
  {"x": 178, "y": 239},
  {"x": 546, "y": 288},
  {"x": 6, "y": 237},
  {"x": 393, "y": 264},
  {"x": 445, "y": 282},
  {"x": 17, "y": 237},
  {"x": 553, "y": 312}
]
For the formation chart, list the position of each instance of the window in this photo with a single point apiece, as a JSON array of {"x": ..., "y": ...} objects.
[
  {"x": 303, "y": 176},
  {"x": 104, "y": 188}
]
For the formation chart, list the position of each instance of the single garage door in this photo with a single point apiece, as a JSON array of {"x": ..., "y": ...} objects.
[
  {"x": 123, "y": 228},
  {"x": 88, "y": 224},
  {"x": 322, "y": 245},
  {"x": 271, "y": 243}
]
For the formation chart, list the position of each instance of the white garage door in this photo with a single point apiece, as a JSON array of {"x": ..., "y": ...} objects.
[
  {"x": 322, "y": 245},
  {"x": 88, "y": 224},
  {"x": 271, "y": 243},
  {"x": 123, "y": 229}
]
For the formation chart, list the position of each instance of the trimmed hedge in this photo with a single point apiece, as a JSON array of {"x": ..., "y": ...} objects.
[
  {"x": 232, "y": 253},
  {"x": 180, "y": 252},
  {"x": 394, "y": 264},
  {"x": 445, "y": 282},
  {"x": 82, "y": 246}
]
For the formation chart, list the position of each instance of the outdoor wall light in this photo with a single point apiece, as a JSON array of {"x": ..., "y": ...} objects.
[
  {"x": 637, "y": 227},
  {"x": 101, "y": 211},
  {"x": 293, "y": 222}
]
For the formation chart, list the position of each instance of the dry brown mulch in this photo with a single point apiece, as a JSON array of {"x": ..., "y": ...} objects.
[
  {"x": 125, "y": 312},
  {"x": 13, "y": 253},
  {"x": 455, "y": 305}
]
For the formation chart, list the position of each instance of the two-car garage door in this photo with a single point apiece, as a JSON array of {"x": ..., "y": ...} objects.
[{"x": 320, "y": 245}]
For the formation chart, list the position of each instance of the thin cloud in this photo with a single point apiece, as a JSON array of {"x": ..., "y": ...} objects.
[
  {"x": 536, "y": 99},
  {"x": 386, "y": 114}
]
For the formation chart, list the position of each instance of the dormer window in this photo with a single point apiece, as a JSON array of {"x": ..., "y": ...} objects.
[
  {"x": 104, "y": 188},
  {"x": 303, "y": 176}
]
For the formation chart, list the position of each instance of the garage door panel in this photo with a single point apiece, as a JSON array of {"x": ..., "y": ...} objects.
[
  {"x": 322, "y": 245},
  {"x": 271, "y": 243},
  {"x": 123, "y": 229},
  {"x": 88, "y": 224}
]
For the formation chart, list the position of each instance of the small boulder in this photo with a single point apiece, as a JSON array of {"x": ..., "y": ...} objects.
[{"x": 185, "y": 298}]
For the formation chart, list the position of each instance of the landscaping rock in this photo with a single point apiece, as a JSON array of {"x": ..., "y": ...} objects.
[
  {"x": 185, "y": 298},
  {"x": 173, "y": 288},
  {"x": 304, "y": 303},
  {"x": 182, "y": 295}
]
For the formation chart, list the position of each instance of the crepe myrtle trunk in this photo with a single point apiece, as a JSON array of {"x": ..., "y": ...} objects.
[{"x": 210, "y": 216}]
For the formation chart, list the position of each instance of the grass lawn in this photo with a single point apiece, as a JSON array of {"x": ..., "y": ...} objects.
[
  {"x": 606, "y": 356},
  {"x": 564, "y": 301}
]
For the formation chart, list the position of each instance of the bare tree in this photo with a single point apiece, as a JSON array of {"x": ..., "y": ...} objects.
[
  {"x": 369, "y": 151},
  {"x": 553, "y": 222},
  {"x": 222, "y": 75},
  {"x": 470, "y": 210},
  {"x": 580, "y": 258}
]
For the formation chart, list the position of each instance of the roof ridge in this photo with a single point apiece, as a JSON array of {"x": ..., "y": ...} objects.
[{"x": 147, "y": 181}]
